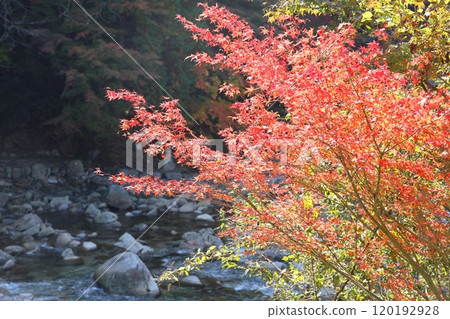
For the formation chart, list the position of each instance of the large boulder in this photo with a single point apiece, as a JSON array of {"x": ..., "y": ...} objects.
[
  {"x": 31, "y": 225},
  {"x": 118, "y": 197},
  {"x": 126, "y": 274}
]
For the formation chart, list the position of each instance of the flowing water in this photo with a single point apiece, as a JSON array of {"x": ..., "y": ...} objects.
[{"x": 46, "y": 277}]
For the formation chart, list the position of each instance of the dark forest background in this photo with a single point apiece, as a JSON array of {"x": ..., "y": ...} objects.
[{"x": 55, "y": 64}]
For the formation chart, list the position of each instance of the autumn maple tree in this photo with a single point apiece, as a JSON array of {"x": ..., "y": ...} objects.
[{"x": 349, "y": 181}]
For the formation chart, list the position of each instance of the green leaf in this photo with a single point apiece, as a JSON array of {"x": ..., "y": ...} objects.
[{"x": 367, "y": 16}]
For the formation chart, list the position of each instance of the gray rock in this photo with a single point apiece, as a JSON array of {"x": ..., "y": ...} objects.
[
  {"x": 100, "y": 180},
  {"x": 105, "y": 218},
  {"x": 187, "y": 208},
  {"x": 31, "y": 246},
  {"x": 142, "y": 207},
  {"x": 205, "y": 218},
  {"x": 14, "y": 209},
  {"x": 16, "y": 173},
  {"x": 203, "y": 239},
  {"x": 57, "y": 202},
  {"x": 81, "y": 235},
  {"x": 136, "y": 212},
  {"x": 182, "y": 201},
  {"x": 102, "y": 189},
  {"x": 52, "y": 180},
  {"x": 9, "y": 264},
  {"x": 27, "y": 221},
  {"x": 14, "y": 250},
  {"x": 191, "y": 281},
  {"x": 63, "y": 207},
  {"x": 3, "y": 199},
  {"x": 140, "y": 227},
  {"x": 118, "y": 197},
  {"x": 204, "y": 203},
  {"x": 74, "y": 243},
  {"x": 37, "y": 204},
  {"x": 62, "y": 240},
  {"x": 274, "y": 265},
  {"x": 5, "y": 258},
  {"x": 75, "y": 209},
  {"x": 152, "y": 212},
  {"x": 126, "y": 274},
  {"x": 45, "y": 231},
  {"x": 69, "y": 256},
  {"x": 126, "y": 241},
  {"x": 92, "y": 211},
  {"x": 39, "y": 171},
  {"x": 5, "y": 183},
  {"x": 32, "y": 230},
  {"x": 88, "y": 246},
  {"x": 26, "y": 172},
  {"x": 29, "y": 195},
  {"x": 27, "y": 208},
  {"x": 162, "y": 203},
  {"x": 75, "y": 172},
  {"x": 95, "y": 195}
]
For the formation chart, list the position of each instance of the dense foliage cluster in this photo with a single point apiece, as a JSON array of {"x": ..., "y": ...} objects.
[
  {"x": 349, "y": 182},
  {"x": 414, "y": 27}
]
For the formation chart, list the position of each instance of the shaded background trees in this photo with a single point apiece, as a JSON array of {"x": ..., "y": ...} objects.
[
  {"x": 55, "y": 64},
  {"x": 415, "y": 27}
]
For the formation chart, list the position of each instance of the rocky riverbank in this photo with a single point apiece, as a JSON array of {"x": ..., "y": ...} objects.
[{"x": 61, "y": 226}]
